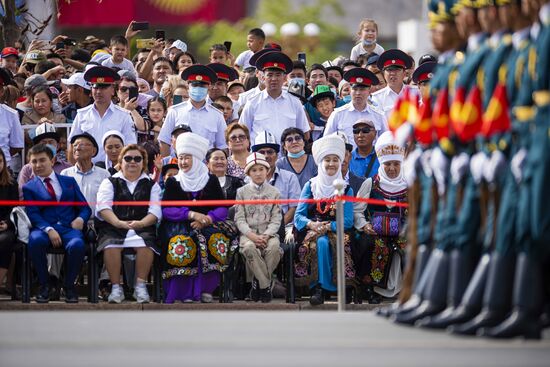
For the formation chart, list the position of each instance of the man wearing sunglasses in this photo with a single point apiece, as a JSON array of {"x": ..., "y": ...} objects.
[
  {"x": 103, "y": 115},
  {"x": 343, "y": 118},
  {"x": 364, "y": 162}
]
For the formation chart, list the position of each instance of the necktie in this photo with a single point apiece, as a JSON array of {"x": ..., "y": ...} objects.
[{"x": 49, "y": 187}]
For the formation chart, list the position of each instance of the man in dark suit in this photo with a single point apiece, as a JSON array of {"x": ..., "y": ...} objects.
[{"x": 54, "y": 225}]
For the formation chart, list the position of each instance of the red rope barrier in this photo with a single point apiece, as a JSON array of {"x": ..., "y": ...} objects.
[{"x": 202, "y": 202}]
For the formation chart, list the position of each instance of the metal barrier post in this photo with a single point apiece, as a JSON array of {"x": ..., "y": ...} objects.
[{"x": 339, "y": 185}]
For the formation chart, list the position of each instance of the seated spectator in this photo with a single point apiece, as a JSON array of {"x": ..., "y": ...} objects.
[
  {"x": 295, "y": 159},
  {"x": 57, "y": 226},
  {"x": 45, "y": 134},
  {"x": 216, "y": 160},
  {"x": 364, "y": 162},
  {"x": 86, "y": 174},
  {"x": 195, "y": 246},
  {"x": 259, "y": 226},
  {"x": 316, "y": 223},
  {"x": 11, "y": 133},
  {"x": 8, "y": 191},
  {"x": 112, "y": 144},
  {"x": 42, "y": 103},
  {"x": 237, "y": 137},
  {"x": 384, "y": 274},
  {"x": 120, "y": 226}
]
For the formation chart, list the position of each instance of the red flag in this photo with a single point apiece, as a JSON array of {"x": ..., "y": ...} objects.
[
  {"x": 399, "y": 113},
  {"x": 470, "y": 121},
  {"x": 414, "y": 102},
  {"x": 423, "y": 129},
  {"x": 496, "y": 118},
  {"x": 440, "y": 115}
]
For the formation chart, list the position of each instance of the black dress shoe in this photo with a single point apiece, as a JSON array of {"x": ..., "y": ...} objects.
[
  {"x": 370, "y": 295},
  {"x": 43, "y": 295},
  {"x": 71, "y": 296},
  {"x": 317, "y": 298}
]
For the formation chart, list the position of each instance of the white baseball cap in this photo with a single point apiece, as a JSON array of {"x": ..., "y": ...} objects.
[
  {"x": 180, "y": 45},
  {"x": 77, "y": 79}
]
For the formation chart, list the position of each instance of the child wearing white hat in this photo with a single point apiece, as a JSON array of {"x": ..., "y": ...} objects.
[{"x": 259, "y": 226}]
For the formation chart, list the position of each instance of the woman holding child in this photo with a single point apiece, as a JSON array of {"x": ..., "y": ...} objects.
[{"x": 196, "y": 240}]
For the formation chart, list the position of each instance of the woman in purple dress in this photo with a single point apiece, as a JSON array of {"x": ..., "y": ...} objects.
[{"x": 197, "y": 244}]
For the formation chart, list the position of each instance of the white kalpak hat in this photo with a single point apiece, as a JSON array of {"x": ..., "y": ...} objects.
[
  {"x": 330, "y": 144},
  {"x": 190, "y": 143},
  {"x": 254, "y": 159},
  {"x": 387, "y": 148}
]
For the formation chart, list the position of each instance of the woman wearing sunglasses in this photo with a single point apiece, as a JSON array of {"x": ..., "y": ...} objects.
[
  {"x": 237, "y": 137},
  {"x": 122, "y": 226},
  {"x": 295, "y": 158}
]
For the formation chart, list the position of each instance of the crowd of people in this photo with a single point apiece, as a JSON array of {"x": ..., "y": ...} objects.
[{"x": 84, "y": 123}]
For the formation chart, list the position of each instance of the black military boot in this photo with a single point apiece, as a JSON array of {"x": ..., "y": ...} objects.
[
  {"x": 434, "y": 299},
  {"x": 422, "y": 275},
  {"x": 470, "y": 303},
  {"x": 496, "y": 299},
  {"x": 528, "y": 297},
  {"x": 317, "y": 298}
]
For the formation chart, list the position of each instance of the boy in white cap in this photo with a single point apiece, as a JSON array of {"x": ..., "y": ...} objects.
[{"x": 259, "y": 226}]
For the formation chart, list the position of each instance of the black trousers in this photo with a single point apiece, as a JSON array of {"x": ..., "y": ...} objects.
[{"x": 7, "y": 245}]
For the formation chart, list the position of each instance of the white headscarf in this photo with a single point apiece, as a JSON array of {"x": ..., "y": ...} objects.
[
  {"x": 322, "y": 184},
  {"x": 196, "y": 178},
  {"x": 387, "y": 149}
]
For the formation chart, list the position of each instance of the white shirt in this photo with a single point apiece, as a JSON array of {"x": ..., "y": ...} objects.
[
  {"x": 106, "y": 193},
  {"x": 88, "y": 182},
  {"x": 385, "y": 98},
  {"x": 115, "y": 118},
  {"x": 55, "y": 184},
  {"x": 248, "y": 95},
  {"x": 243, "y": 59},
  {"x": 358, "y": 50},
  {"x": 343, "y": 118},
  {"x": 11, "y": 132},
  {"x": 263, "y": 113},
  {"x": 124, "y": 65},
  {"x": 206, "y": 121}
]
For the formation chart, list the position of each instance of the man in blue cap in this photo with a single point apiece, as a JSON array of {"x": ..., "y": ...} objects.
[
  {"x": 274, "y": 109},
  {"x": 343, "y": 118},
  {"x": 200, "y": 116},
  {"x": 103, "y": 115}
]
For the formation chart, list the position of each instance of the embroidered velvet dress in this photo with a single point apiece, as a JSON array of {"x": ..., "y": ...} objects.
[
  {"x": 374, "y": 254},
  {"x": 193, "y": 259}
]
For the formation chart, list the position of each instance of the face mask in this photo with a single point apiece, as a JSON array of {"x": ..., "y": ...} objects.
[
  {"x": 300, "y": 81},
  {"x": 52, "y": 148},
  {"x": 333, "y": 90},
  {"x": 198, "y": 94},
  {"x": 369, "y": 43},
  {"x": 347, "y": 98},
  {"x": 296, "y": 155}
]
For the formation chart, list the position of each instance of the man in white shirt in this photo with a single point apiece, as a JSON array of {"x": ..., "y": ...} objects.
[
  {"x": 273, "y": 109},
  {"x": 86, "y": 174},
  {"x": 393, "y": 64},
  {"x": 103, "y": 115},
  {"x": 11, "y": 132},
  {"x": 200, "y": 116},
  {"x": 343, "y": 118}
]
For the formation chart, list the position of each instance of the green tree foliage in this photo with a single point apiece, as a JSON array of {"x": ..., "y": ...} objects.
[{"x": 201, "y": 35}]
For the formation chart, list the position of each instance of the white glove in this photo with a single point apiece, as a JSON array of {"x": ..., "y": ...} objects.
[
  {"x": 410, "y": 164},
  {"x": 477, "y": 164},
  {"x": 495, "y": 166},
  {"x": 459, "y": 166},
  {"x": 425, "y": 161},
  {"x": 439, "y": 163},
  {"x": 516, "y": 165}
]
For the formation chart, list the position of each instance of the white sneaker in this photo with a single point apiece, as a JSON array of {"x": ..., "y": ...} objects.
[
  {"x": 141, "y": 294},
  {"x": 206, "y": 298},
  {"x": 116, "y": 296}
]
